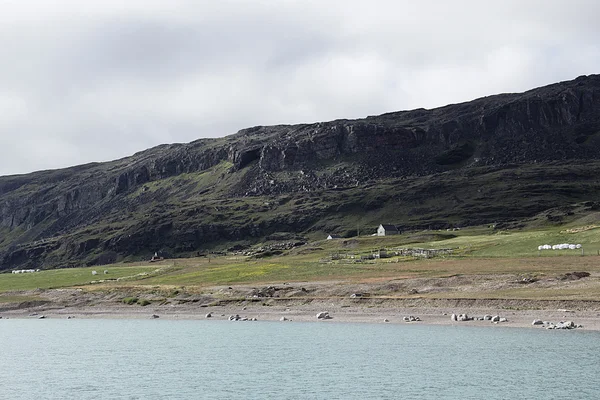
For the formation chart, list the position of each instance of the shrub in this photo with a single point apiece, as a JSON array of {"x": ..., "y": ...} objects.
[
  {"x": 143, "y": 302},
  {"x": 130, "y": 300}
]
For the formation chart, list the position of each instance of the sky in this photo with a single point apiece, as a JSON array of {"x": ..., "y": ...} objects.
[{"x": 97, "y": 80}]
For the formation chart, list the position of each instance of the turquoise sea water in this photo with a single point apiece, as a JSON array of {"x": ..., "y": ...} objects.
[{"x": 165, "y": 359}]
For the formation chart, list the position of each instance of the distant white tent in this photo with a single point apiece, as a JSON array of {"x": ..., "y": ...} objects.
[{"x": 561, "y": 246}]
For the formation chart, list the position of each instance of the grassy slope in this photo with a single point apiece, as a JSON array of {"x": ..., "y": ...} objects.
[
  {"x": 479, "y": 251},
  {"x": 62, "y": 278},
  {"x": 201, "y": 201}
]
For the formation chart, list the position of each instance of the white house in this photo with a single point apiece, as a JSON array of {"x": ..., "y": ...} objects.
[{"x": 386, "y": 230}]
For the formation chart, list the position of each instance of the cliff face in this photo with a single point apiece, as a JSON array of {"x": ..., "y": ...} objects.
[
  {"x": 550, "y": 123},
  {"x": 215, "y": 190}
]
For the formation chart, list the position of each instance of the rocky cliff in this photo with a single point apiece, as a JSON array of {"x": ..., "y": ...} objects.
[{"x": 541, "y": 145}]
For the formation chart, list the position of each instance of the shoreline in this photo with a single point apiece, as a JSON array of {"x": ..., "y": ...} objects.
[{"x": 340, "y": 313}]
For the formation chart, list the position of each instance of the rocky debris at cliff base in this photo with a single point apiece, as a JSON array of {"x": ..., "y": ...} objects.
[{"x": 411, "y": 318}]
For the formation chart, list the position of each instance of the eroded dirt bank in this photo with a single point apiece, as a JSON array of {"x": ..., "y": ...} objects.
[{"x": 365, "y": 302}]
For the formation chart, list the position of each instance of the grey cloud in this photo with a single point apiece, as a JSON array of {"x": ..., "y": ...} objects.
[{"x": 91, "y": 81}]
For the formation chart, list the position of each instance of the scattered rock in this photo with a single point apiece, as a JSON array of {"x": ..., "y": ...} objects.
[
  {"x": 386, "y": 320},
  {"x": 209, "y": 315},
  {"x": 565, "y": 325},
  {"x": 155, "y": 316},
  {"x": 527, "y": 280},
  {"x": 42, "y": 317},
  {"x": 537, "y": 322},
  {"x": 237, "y": 317},
  {"x": 463, "y": 317},
  {"x": 283, "y": 319},
  {"x": 323, "y": 315}
]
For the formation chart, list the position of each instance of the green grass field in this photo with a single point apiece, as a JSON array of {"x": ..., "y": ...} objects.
[
  {"x": 68, "y": 277},
  {"x": 476, "y": 251}
]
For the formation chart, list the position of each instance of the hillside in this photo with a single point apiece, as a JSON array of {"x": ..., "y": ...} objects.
[{"x": 497, "y": 159}]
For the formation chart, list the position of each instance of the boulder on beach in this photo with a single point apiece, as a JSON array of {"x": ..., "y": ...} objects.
[
  {"x": 565, "y": 325},
  {"x": 453, "y": 317},
  {"x": 323, "y": 315},
  {"x": 537, "y": 322}
]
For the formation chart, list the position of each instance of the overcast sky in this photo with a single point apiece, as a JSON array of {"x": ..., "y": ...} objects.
[{"x": 98, "y": 80}]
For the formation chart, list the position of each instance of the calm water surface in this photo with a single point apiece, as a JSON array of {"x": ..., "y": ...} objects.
[{"x": 160, "y": 359}]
